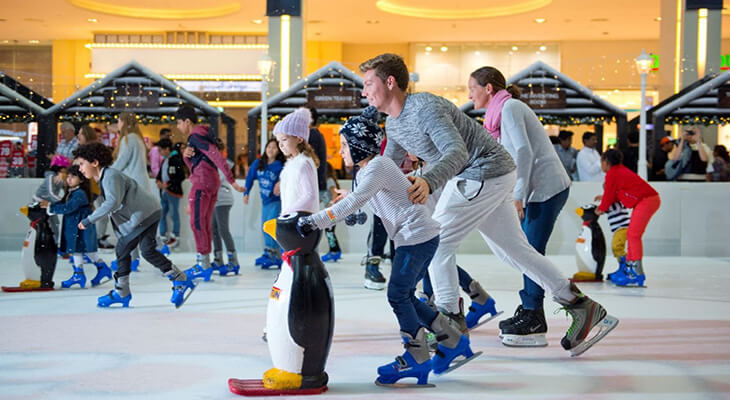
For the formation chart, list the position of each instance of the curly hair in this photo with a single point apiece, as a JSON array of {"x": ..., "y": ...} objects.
[{"x": 95, "y": 152}]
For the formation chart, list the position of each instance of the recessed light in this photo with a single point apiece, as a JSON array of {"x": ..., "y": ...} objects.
[
  {"x": 93, "y": 20},
  {"x": 372, "y": 21},
  {"x": 476, "y": 53},
  {"x": 543, "y": 48},
  {"x": 34, "y": 41},
  {"x": 658, "y": 19},
  {"x": 539, "y": 20},
  {"x": 428, "y": 48},
  {"x": 444, "y": 48},
  {"x": 514, "y": 48},
  {"x": 257, "y": 21}
]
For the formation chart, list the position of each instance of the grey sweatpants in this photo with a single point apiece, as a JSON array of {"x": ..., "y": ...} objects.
[{"x": 221, "y": 230}]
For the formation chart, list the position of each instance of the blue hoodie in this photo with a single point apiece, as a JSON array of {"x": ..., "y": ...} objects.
[{"x": 267, "y": 179}]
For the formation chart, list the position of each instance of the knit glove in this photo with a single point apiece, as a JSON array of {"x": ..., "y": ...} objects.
[{"x": 351, "y": 220}]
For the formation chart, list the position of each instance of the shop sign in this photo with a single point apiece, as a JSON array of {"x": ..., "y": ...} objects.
[
  {"x": 333, "y": 98},
  {"x": 723, "y": 96},
  {"x": 542, "y": 98},
  {"x": 131, "y": 97}
]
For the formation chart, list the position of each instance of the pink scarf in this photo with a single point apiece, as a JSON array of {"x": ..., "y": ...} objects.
[{"x": 493, "y": 116}]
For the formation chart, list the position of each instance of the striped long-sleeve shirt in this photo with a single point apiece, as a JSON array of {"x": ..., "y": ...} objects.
[
  {"x": 382, "y": 185},
  {"x": 618, "y": 216}
]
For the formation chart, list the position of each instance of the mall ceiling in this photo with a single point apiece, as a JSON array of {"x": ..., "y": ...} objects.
[{"x": 358, "y": 21}]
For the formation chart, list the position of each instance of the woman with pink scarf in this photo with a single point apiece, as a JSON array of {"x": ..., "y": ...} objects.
[{"x": 540, "y": 192}]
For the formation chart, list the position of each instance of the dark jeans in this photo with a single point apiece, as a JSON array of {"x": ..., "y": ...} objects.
[
  {"x": 409, "y": 266},
  {"x": 378, "y": 238},
  {"x": 144, "y": 236},
  {"x": 538, "y": 225},
  {"x": 464, "y": 282}
]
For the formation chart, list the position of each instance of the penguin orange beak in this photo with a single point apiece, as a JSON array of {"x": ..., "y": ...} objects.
[
  {"x": 24, "y": 210},
  {"x": 270, "y": 227},
  {"x": 579, "y": 211}
]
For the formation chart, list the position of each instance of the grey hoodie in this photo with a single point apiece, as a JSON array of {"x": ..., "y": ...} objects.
[{"x": 127, "y": 204}]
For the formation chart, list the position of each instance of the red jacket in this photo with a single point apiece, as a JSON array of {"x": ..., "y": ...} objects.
[{"x": 624, "y": 185}]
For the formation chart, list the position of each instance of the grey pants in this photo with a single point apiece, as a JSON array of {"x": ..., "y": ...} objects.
[
  {"x": 144, "y": 237},
  {"x": 103, "y": 222},
  {"x": 221, "y": 230}
]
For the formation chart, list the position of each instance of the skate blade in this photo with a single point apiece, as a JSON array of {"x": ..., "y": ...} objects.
[
  {"x": 399, "y": 385},
  {"x": 604, "y": 327},
  {"x": 186, "y": 297},
  {"x": 458, "y": 363},
  {"x": 524, "y": 341},
  {"x": 102, "y": 282},
  {"x": 485, "y": 320}
]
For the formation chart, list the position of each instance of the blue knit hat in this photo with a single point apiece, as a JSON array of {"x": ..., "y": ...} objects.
[{"x": 363, "y": 134}]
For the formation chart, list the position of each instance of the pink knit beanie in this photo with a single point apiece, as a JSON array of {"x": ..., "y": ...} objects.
[{"x": 295, "y": 124}]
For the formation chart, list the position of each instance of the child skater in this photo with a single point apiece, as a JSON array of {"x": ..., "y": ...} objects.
[
  {"x": 619, "y": 218},
  {"x": 333, "y": 188},
  {"x": 53, "y": 188},
  {"x": 169, "y": 180},
  {"x": 382, "y": 185},
  {"x": 203, "y": 160},
  {"x": 76, "y": 206},
  {"x": 267, "y": 170},
  {"x": 299, "y": 189},
  {"x": 220, "y": 226},
  {"x": 633, "y": 192},
  {"x": 135, "y": 215}
]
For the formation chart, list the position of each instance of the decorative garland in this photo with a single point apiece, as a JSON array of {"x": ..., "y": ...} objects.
[
  {"x": 563, "y": 120},
  {"x": 705, "y": 120},
  {"x": 143, "y": 119},
  {"x": 13, "y": 118}
]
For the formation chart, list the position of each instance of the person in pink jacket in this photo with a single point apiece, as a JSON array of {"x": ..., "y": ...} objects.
[{"x": 203, "y": 160}]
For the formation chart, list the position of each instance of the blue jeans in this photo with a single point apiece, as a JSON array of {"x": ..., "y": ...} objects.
[
  {"x": 172, "y": 204},
  {"x": 464, "y": 282},
  {"x": 538, "y": 225},
  {"x": 409, "y": 266},
  {"x": 270, "y": 211}
]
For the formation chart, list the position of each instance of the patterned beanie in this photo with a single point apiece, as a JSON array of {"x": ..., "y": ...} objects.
[
  {"x": 363, "y": 134},
  {"x": 295, "y": 124}
]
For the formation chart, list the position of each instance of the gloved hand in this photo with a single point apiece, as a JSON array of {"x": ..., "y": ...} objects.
[
  {"x": 305, "y": 226},
  {"x": 362, "y": 218},
  {"x": 351, "y": 220}
]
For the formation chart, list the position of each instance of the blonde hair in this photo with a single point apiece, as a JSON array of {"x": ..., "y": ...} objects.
[
  {"x": 306, "y": 149},
  {"x": 88, "y": 133},
  {"x": 130, "y": 125}
]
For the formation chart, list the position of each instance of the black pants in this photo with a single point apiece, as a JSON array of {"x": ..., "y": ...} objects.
[
  {"x": 144, "y": 236},
  {"x": 378, "y": 237}
]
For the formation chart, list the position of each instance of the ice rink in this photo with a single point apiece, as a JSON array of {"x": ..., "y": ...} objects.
[{"x": 672, "y": 342}]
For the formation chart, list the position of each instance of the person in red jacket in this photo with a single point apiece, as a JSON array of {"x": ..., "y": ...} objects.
[{"x": 627, "y": 187}]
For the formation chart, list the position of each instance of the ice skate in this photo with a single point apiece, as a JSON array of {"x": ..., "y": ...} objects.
[
  {"x": 164, "y": 250},
  {"x": 229, "y": 268},
  {"x": 633, "y": 275},
  {"x": 620, "y": 271},
  {"x": 77, "y": 278},
  {"x": 453, "y": 347},
  {"x": 198, "y": 272},
  {"x": 172, "y": 242},
  {"x": 374, "y": 280},
  {"x": 114, "y": 297},
  {"x": 180, "y": 291},
  {"x": 527, "y": 331},
  {"x": 481, "y": 305},
  {"x": 102, "y": 271},
  {"x": 414, "y": 363},
  {"x": 587, "y": 315},
  {"x": 332, "y": 256},
  {"x": 263, "y": 258},
  {"x": 271, "y": 261}
]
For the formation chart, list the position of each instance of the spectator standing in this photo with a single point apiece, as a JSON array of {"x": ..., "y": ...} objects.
[
  {"x": 689, "y": 161},
  {"x": 720, "y": 165},
  {"x": 656, "y": 173},
  {"x": 588, "y": 161},
  {"x": 631, "y": 153},
  {"x": 68, "y": 142},
  {"x": 567, "y": 153}
]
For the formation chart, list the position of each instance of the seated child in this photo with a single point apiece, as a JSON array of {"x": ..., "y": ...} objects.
[{"x": 382, "y": 185}]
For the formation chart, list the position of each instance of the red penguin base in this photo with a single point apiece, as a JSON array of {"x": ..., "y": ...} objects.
[
  {"x": 15, "y": 289},
  {"x": 255, "y": 387}
]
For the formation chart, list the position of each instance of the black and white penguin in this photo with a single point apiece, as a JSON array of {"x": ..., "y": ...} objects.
[
  {"x": 300, "y": 315},
  {"x": 39, "y": 252},
  {"x": 590, "y": 247}
]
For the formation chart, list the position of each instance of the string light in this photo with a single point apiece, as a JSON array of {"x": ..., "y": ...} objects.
[{"x": 258, "y": 46}]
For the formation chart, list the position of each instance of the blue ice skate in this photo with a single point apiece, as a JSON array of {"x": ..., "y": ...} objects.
[
  {"x": 102, "y": 271},
  {"x": 113, "y": 297},
  {"x": 620, "y": 271},
  {"x": 229, "y": 268},
  {"x": 180, "y": 291},
  {"x": 263, "y": 258},
  {"x": 164, "y": 250},
  {"x": 217, "y": 265},
  {"x": 271, "y": 262},
  {"x": 407, "y": 365},
  {"x": 197, "y": 272},
  {"x": 444, "y": 357},
  {"x": 477, "y": 311},
  {"x": 332, "y": 256},
  {"x": 77, "y": 278}
]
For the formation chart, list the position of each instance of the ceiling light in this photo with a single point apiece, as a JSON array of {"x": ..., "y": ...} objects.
[
  {"x": 476, "y": 53},
  {"x": 444, "y": 48},
  {"x": 428, "y": 49},
  {"x": 658, "y": 19},
  {"x": 93, "y": 20},
  {"x": 33, "y": 41},
  {"x": 257, "y": 21},
  {"x": 543, "y": 48},
  {"x": 372, "y": 21},
  {"x": 514, "y": 48},
  {"x": 539, "y": 20}
]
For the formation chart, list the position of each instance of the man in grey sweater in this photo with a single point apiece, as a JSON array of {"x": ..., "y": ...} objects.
[
  {"x": 134, "y": 214},
  {"x": 476, "y": 177}
]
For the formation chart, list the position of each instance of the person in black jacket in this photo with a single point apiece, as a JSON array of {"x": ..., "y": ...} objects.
[{"x": 169, "y": 181}]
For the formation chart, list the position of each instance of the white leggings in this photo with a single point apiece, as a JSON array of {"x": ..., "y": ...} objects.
[{"x": 487, "y": 206}]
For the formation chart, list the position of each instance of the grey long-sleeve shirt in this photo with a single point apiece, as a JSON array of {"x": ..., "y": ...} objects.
[
  {"x": 382, "y": 185},
  {"x": 451, "y": 143}
]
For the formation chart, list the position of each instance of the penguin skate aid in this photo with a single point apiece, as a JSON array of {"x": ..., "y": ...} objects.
[{"x": 299, "y": 317}]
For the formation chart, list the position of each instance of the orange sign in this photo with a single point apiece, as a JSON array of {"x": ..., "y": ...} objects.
[{"x": 331, "y": 133}]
